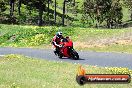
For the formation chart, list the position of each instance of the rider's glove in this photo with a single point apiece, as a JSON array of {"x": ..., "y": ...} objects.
[{"x": 60, "y": 46}]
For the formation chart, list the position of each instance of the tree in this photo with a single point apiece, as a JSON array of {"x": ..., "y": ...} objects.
[
  {"x": 115, "y": 15},
  {"x": 40, "y": 13},
  {"x": 64, "y": 7},
  {"x": 19, "y": 6},
  {"x": 99, "y": 11},
  {"x": 128, "y": 4},
  {"x": 63, "y": 13},
  {"x": 11, "y": 7},
  {"x": 40, "y": 5},
  {"x": 55, "y": 12},
  {"x": 2, "y": 6},
  {"x": 48, "y": 8}
]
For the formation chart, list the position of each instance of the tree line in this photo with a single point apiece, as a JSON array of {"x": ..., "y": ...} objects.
[
  {"x": 92, "y": 11},
  {"x": 38, "y": 5},
  {"x": 108, "y": 11}
]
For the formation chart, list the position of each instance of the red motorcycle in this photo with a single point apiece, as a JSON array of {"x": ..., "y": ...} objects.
[{"x": 67, "y": 49}]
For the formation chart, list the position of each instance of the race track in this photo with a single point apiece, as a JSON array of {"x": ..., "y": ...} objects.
[{"x": 90, "y": 58}]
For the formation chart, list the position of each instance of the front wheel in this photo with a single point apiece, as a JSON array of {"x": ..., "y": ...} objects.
[
  {"x": 60, "y": 56},
  {"x": 74, "y": 55}
]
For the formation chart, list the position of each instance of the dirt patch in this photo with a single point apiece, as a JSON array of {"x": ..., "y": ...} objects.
[
  {"x": 124, "y": 42},
  {"x": 121, "y": 39},
  {"x": 87, "y": 45},
  {"x": 102, "y": 43}
]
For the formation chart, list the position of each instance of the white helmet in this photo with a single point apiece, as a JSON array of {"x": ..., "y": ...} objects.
[{"x": 59, "y": 34}]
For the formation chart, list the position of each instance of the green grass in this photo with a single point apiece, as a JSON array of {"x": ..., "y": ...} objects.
[
  {"x": 34, "y": 36},
  {"x": 111, "y": 48},
  {"x": 93, "y": 33},
  {"x": 105, "y": 40},
  {"x": 23, "y": 72}
]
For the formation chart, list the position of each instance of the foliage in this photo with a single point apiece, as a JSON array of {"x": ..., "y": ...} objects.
[
  {"x": 84, "y": 13},
  {"x": 2, "y": 6},
  {"x": 128, "y": 4},
  {"x": 22, "y": 11},
  {"x": 116, "y": 70},
  {"x": 24, "y": 36},
  {"x": 39, "y": 39},
  {"x": 98, "y": 11}
]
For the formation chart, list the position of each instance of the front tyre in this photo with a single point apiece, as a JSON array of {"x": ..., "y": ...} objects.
[
  {"x": 74, "y": 55},
  {"x": 60, "y": 55}
]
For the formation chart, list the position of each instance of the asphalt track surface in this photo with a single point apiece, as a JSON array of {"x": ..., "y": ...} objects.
[{"x": 90, "y": 58}]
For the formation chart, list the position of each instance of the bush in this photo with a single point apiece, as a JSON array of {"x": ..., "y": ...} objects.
[
  {"x": 39, "y": 39},
  {"x": 116, "y": 70}
]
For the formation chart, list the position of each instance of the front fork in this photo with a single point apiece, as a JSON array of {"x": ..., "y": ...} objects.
[{"x": 71, "y": 49}]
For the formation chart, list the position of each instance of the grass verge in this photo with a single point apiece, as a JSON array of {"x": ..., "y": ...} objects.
[
  {"x": 23, "y": 72},
  {"x": 106, "y": 40},
  {"x": 110, "y": 48}
]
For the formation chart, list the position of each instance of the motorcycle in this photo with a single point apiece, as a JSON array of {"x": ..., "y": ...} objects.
[{"x": 67, "y": 49}]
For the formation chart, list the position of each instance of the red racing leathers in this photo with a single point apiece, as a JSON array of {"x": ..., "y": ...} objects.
[{"x": 56, "y": 42}]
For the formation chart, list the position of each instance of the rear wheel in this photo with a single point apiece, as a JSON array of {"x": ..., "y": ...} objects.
[{"x": 74, "y": 55}]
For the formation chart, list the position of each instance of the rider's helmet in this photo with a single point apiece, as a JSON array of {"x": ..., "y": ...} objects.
[{"x": 59, "y": 34}]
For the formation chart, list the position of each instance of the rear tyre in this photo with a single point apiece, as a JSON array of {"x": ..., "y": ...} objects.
[{"x": 75, "y": 55}]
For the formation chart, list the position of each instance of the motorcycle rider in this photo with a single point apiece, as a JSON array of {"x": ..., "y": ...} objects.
[{"x": 56, "y": 42}]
